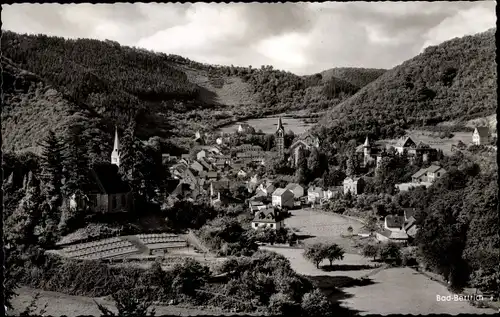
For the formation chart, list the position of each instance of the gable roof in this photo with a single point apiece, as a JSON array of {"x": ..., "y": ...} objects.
[
  {"x": 394, "y": 221},
  {"x": 267, "y": 215},
  {"x": 409, "y": 212},
  {"x": 483, "y": 131},
  {"x": 293, "y": 186},
  {"x": 104, "y": 178},
  {"x": 317, "y": 190},
  {"x": 420, "y": 172},
  {"x": 433, "y": 168},
  {"x": 404, "y": 141},
  {"x": 299, "y": 142}
]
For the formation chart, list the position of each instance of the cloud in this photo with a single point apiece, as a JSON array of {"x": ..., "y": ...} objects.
[{"x": 301, "y": 37}]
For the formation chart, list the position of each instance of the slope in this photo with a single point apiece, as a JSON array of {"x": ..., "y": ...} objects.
[
  {"x": 454, "y": 81},
  {"x": 358, "y": 77},
  {"x": 161, "y": 95}
]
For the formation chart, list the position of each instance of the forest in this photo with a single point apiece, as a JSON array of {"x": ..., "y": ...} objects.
[
  {"x": 453, "y": 81},
  {"x": 159, "y": 93}
]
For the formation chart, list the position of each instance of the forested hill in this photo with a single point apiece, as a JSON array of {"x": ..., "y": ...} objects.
[
  {"x": 454, "y": 81},
  {"x": 162, "y": 95}
]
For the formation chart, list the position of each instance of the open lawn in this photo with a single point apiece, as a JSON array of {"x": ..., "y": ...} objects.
[
  {"x": 268, "y": 125},
  {"x": 318, "y": 226}
]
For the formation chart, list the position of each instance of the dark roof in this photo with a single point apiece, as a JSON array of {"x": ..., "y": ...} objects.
[
  {"x": 404, "y": 141},
  {"x": 421, "y": 172},
  {"x": 104, "y": 179},
  {"x": 170, "y": 185},
  {"x": 433, "y": 168},
  {"x": 409, "y": 212},
  {"x": 267, "y": 215},
  {"x": 483, "y": 131},
  {"x": 394, "y": 221}
]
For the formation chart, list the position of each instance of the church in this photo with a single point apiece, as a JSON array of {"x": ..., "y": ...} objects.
[
  {"x": 305, "y": 143},
  {"x": 105, "y": 192}
]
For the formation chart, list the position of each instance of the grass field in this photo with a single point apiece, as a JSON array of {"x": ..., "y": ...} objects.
[
  {"x": 61, "y": 304},
  {"x": 268, "y": 125},
  {"x": 433, "y": 139}
]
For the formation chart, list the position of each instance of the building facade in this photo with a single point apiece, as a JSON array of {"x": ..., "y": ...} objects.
[{"x": 280, "y": 139}]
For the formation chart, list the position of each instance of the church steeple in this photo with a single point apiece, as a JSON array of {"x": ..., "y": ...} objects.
[
  {"x": 280, "y": 139},
  {"x": 115, "y": 155}
]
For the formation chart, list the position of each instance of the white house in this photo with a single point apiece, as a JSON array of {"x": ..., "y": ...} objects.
[
  {"x": 282, "y": 198},
  {"x": 354, "y": 185},
  {"x": 428, "y": 175},
  {"x": 314, "y": 194},
  {"x": 296, "y": 189},
  {"x": 201, "y": 154},
  {"x": 393, "y": 236},
  {"x": 481, "y": 136},
  {"x": 405, "y": 144},
  {"x": 268, "y": 218}
]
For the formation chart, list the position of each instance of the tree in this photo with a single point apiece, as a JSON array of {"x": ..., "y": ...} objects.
[
  {"x": 131, "y": 302},
  {"x": 334, "y": 252},
  {"x": 76, "y": 162},
  {"x": 371, "y": 222},
  {"x": 282, "y": 304},
  {"x": 52, "y": 166},
  {"x": 390, "y": 251},
  {"x": 302, "y": 173},
  {"x": 370, "y": 250},
  {"x": 315, "y": 253},
  {"x": 351, "y": 167},
  {"x": 189, "y": 277},
  {"x": 316, "y": 304},
  {"x": 314, "y": 163}
]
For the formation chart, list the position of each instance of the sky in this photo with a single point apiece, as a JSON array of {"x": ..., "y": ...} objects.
[{"x": 304, "y": 38}]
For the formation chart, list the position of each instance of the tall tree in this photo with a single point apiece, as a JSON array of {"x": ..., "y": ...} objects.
[
  {"x": 52, "y": 166},
  {"x": 76, "y": 162}
]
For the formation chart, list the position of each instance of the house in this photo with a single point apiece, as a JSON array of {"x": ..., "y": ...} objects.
[
  {"x": 354, "y": 185},
  {"x": 405, "y": 143},
  {"x": 420, "y": 176},
  {"x": 105, "y": 192},
  {"x": 481, "y": 136},
  {"x": 428, "y": 175},
  {"x": 283, "y": 198},
  {"x": 393, "y": 236},
  {"x": 206, "y": 165},
  {"x": 305, "y": 143},
  {"x": 188, "y": 177},
  {"x": 245, "y": 128},
  {"x": 256, "y": 205},
  {"x": 409, "y": 213},
  {"x": 394, "y": 223},
  {"x": 249, "y": 147},
  {"x": 212, "y": 175},
  {"x": 296, "y": 189},
  {"x": 314, "y": 194},
  {"x": 328, "y": 194},
  {"x": 268, "y": 188},
  {"x": 241, "y": 173},
  {"x": 411, "y": 227},
  {"x": 186, "y": 157},
  {"x": 197, "y": 166},
  {"x": 201, "y": 154},
  {"x": 268, "y": 218}
]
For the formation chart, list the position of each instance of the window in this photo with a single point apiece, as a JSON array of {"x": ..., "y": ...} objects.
[
  {"x": 439, "y": 174},
  {"x": 272, "y": 225}
]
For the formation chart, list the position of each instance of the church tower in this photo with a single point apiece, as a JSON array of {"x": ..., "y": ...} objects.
[
  {"x": 280, "y": 139},
  {"x": 115, "y": 155},
  {"x": 367, "y": 151}
]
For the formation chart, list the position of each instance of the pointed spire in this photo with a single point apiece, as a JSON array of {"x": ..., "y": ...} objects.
[
  {"x": 280, "y": 124},
  {"x": 116, "y": 146},
  {"x": 367, "y": 142}
]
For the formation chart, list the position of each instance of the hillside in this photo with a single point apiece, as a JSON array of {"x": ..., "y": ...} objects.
[
  {"x": 163, "y": 95},
  {"x": 358, "y": 77},
  {"x": 454, "y": 81}
]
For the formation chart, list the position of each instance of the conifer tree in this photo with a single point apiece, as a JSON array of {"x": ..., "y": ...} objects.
[{"x": 52, "y": 167}]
